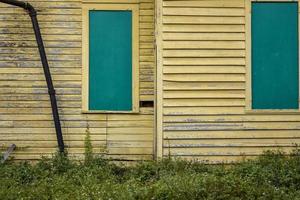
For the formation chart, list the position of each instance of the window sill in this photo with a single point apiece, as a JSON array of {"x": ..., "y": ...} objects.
[
  {"x": 272, "y": 111},
  {"x": 109, "y": 112}
]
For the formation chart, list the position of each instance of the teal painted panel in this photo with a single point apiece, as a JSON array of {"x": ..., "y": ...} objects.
[
  {"x": 275, "y": 76},
  {"x": 110, "y": 60}
]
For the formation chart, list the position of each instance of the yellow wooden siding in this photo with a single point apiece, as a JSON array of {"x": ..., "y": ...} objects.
[
  {"x": 25, "y": 110},
  {"x": 204, "y": 86}
]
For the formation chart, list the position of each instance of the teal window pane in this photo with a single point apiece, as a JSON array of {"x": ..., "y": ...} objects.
[
  {"x": 110, "y": 60},
  {"x": 275, "y": 71}
]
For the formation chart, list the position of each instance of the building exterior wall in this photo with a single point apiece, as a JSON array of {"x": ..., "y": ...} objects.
[
  {"x": 25, "y": 110},
  {"x": 202, "y": 58},
  {"x": 201, "y": 79}
]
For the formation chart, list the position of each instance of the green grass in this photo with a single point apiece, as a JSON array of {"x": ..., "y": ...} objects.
[{"x": 271, "y": 176}]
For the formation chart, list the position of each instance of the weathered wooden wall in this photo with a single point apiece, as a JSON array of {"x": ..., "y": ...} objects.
[
  {"x": 203, "y": 63},
  {"x": 25, "y": 112},
  {"x": 203, "y": 51}
]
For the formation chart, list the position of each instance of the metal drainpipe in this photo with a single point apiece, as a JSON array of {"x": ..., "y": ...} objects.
[{"x": 32, "y": 13}]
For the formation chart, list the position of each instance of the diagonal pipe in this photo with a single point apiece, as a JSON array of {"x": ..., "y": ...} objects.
[{"x": 33, "y": 15}]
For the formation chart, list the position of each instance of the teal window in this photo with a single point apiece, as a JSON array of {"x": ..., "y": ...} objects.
[
  {"x": 274, "y": 55},
  {"x": 111, "y": 61}
]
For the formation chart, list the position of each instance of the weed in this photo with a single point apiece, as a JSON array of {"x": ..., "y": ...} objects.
[
  {"x": 274, "y": 175},
  {"x": 88, "y": 147}
]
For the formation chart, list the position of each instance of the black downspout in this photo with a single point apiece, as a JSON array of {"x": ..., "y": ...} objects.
[{"x": 32, "y": 13}]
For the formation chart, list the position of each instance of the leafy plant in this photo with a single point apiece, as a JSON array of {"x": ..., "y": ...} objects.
[
  {"x": 274, "y": 175},
  {"x": 88, "y": 147}
]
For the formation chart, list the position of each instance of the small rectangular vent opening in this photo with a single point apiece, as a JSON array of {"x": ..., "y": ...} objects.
[{"x": 146, "y": 104}]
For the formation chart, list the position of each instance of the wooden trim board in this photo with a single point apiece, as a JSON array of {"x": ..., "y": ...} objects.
[{"x": 159, "y": 79}]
